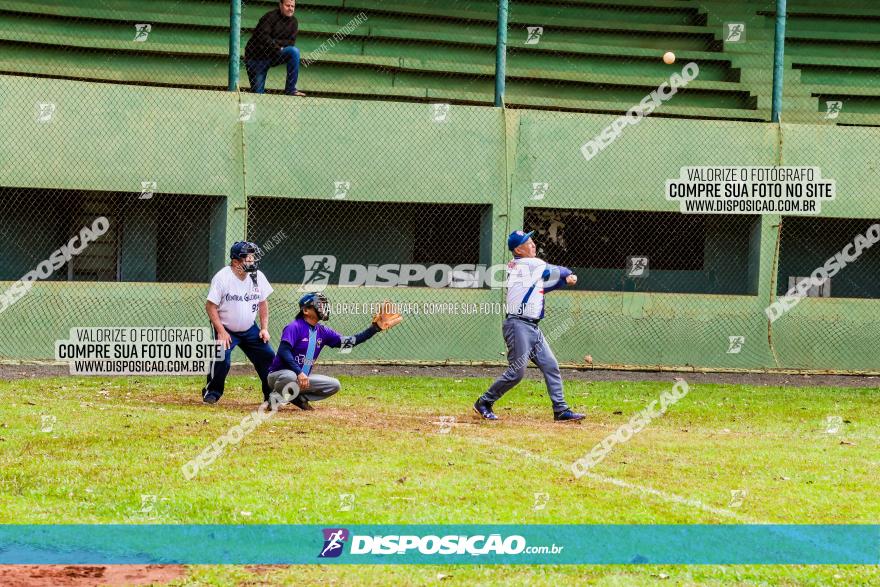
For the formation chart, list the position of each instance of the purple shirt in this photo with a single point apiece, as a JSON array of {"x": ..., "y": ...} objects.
[{"x": 297, "y": 335}]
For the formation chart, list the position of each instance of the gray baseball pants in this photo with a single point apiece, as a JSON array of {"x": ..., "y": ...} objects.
[
  {"x": 525, "y": 342},
  {"x": 320, "y": 386}
]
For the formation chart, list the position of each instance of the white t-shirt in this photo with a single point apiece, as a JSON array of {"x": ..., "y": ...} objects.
[{"x": 238, "y": 299}]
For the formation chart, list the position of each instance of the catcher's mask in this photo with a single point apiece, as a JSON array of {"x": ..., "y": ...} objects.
[
  {"x": 241, "y": 250},
  {"x": 318, "y": 302}
]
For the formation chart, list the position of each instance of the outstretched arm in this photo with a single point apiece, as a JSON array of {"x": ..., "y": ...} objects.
[
  {"x": 354, "y": 340},
  {"x": 384, "y": 319}
]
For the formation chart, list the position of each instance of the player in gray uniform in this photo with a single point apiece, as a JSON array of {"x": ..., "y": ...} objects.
[{"x": 528, "y": 279}]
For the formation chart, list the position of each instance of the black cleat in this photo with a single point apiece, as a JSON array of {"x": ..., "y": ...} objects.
[
  {"x": 484, "y": 409},
  {"x": 210, "y": 397},
  {"x": 568, "y": 416},
  {"x": 302, "y": 403}
]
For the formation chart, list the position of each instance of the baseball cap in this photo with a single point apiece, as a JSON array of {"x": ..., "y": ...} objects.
[{"x": 517, "y": 238}]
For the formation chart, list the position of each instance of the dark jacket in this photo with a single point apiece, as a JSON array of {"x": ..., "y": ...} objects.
[{"x": 274, "y": 32}]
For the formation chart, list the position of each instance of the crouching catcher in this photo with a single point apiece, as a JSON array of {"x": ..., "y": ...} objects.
[{"x": 290, "y": 373}]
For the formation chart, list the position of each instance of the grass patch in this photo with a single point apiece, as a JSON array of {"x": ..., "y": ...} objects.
[{"x": 115, "y": 440}]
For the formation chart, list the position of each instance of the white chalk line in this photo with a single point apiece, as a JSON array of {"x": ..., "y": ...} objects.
[{"x": 641, "y": 489}]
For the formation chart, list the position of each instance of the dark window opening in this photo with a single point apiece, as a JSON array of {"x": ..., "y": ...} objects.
[
  {"x": 150, "y": 236},
  {"x": 806, "y": 244},
  {"x": 364, "y": 233},
  {"x": 676, "y": 253}
]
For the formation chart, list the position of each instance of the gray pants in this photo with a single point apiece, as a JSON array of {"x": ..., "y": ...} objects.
[
  {"x": 320, "y": 386},
  {"x": 525, "y": 342}
]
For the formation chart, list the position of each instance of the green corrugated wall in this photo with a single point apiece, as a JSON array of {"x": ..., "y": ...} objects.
[{"x": 111, "y": 137}]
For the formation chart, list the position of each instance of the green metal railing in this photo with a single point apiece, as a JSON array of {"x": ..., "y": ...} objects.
[
  {"x": 778, "y": 60},
  {"x": 234, "y": 44},
  {"x": 501, "y": 50}
]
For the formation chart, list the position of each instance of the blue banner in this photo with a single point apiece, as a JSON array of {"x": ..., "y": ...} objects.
[{"x": 440, "y": 544}]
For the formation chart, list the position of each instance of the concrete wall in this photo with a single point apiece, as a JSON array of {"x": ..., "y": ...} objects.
[{"x": 113, "y": 137}]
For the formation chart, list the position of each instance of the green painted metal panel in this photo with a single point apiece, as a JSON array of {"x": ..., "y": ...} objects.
[
  {"x": 846, "y": 155},
  {"x": 628, "y": 176},
  {"x": 110, "y": 138},
  {"x": 45, "y": 315},
  {"x": 301, "y": 148}
]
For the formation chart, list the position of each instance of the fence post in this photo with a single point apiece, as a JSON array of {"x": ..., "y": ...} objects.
[
  {"x": 778, "y": 60},
  {"x": 501, "y": 53},
  {"x": 234, "y": 43}
]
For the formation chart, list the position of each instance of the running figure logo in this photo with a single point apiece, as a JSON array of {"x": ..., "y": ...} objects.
[
  {"x": 340, "y": 189},
  {"x": 148, "y": 188},
  {"x": 246, "y": 111},
  {"x": 539, "y": 190},
  {"x": 45, "y": 111},
  {"x": 833, "y": 108},
  {"x": 439, "y": 112},
  {"x": 142, "y": 32},
  {"x": 736, "y": 32},
  {"x": 534, "y": 35},
  {"x": 319, "y": 269},
  {"x": 735, "y": 344},
  {"x": 334, "y": 541},
  {"x": 637, "y": 266}
]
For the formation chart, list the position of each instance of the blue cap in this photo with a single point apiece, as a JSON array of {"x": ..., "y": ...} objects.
[{"x": 517, "y": 238}]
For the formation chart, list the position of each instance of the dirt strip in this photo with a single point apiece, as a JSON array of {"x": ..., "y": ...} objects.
[
  {"x": 88, "y": 575},
  {"x": 11, "y": 371}
]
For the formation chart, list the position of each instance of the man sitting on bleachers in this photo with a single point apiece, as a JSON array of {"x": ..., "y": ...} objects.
[{"x": 272, "y": 43}]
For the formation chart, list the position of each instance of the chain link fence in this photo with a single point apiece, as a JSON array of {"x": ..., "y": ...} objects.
[
  {"x": 605, "y": 57},
  {"x": 394, "y": 179}
]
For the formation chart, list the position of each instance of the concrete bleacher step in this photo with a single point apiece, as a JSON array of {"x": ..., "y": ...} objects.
[
  {"x": 764, "y": 75},
  {"x": 201, "y": 72},
  {"x": 169, "y": 11},
  {"x": 322, "y": 78},
  {"x": 840, "y": 36},
  {"x": 517, "y": 98},
  {"x": 758, "y": 47},
  {"x": 95, "y": 34},
  {"x": 798, "y": 11},
  {"x": 370, "y": 52},
  {"x": 849, "y": 104},
  {"x": 520, "y": 14},
  {"x": 423, "y": 49},
  {"x": 842, "y": 61},
  {"x": 91, "y": 34},
  {"x": 186, "y": 42},
  {"x": 857, "y": 119},
  {"x": 215, "y": 14},
  {"x": 843, "y": 90},
  {"x": 796, "y": 102}
]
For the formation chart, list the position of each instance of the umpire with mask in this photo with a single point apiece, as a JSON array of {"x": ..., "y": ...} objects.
[{"x": 238, "y": 292}]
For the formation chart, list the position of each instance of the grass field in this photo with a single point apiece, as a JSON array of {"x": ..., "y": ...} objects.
[{"x": 381, "y": 441}]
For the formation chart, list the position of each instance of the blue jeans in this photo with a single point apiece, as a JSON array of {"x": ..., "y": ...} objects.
[
  {"x": 258, "y": 352},
  {"x": 257, "y": 69}
]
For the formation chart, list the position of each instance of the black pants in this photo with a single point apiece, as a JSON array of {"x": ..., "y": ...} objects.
[{"x": 258, "y": 352}]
